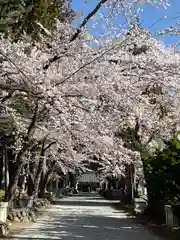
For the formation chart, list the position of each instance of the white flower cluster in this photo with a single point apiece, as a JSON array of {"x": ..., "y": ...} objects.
[{"x": 84, "y": 96}]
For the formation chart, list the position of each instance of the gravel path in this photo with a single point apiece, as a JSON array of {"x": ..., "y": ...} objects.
[{"x": 85, "y": 216}]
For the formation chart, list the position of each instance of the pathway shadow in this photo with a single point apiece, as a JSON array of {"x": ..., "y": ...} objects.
[
  {"x": 86, "y": 227},
  {"x": 85, "y": 203},
  {"x": 94, "y": 221}
]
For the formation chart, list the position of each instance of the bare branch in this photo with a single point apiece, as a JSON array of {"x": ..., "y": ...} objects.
[
  {"x": 116, "y": 46},
  {"x": 33, "y": 121},
  {"x": 8, "y": 96},
  {"x": 74, "y": 37},
  {"x": 86, "y": 19},
  {"x": 51, "y": 60},
  {"x": 49, "y": 145}
]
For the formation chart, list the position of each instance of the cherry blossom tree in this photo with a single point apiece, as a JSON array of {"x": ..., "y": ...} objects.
[{"x": 70, "y": 95}]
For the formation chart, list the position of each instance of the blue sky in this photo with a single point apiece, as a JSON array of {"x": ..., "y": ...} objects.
[{"x": 149, "y": 15}]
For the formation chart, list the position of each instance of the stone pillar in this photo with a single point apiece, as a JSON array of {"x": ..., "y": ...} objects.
[
  {"x": 3, "y": 211},
  {"x": 171, "y": 219},
  {"x": 139, "y": 205}
]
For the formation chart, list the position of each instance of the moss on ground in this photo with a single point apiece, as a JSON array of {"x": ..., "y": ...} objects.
[{"x": 2, "y": 193}]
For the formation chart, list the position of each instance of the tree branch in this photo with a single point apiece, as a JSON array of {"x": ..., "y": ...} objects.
[
  {"x": 87, "y": 18},
  {"x": 51, "y": 60},
  {"x": 116, "y": 46},
  {"x": 8, "y": 96},
  {"x": 33, "y": 119},
  {"x": 75, "y": 36},
  {"x": 136, "y": 130},
  {"x": 48, "y": 146}
]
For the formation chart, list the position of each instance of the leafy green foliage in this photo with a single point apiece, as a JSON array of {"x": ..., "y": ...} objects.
[
  {"x": 161, "y": 169},
  {"x": 17, "y": 16},
  {"x": 7, "y": 126},
  {"x": 162, "y": 175},
  {"x": 2, "y": 194}
]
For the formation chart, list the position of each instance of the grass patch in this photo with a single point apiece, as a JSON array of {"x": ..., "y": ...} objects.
[{"x": 2, "y": 194}]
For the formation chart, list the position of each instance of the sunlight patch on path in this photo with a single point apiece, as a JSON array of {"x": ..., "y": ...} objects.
[{"x": 85, "y": 217}]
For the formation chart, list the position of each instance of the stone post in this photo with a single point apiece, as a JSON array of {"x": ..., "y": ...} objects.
[
  {"x": 140, "y": 205},
  {"x": 171, "y": 219},
  {"x": 3, "y": 211}
]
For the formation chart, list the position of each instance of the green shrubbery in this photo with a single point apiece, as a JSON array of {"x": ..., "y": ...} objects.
[
  {"x": 2, "y": 193},
  {"x": 19, "y": 16},
  {"x": 162, "y": 172}
]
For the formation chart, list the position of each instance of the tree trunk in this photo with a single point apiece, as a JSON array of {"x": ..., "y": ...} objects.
[
  {"x": 30, "y": 185},
  {"x": 38, "y": 177},
  {"x": 6, "y": 173},
  {"x": 23, "y": 184},
  {"x": 14, "y": 182},
  {"x": 45, "y": 178},
  {"x": 39, "y": 171},
  {"x": 129, "y": 183},
  {"x": 43, "y": 183},
  {"x": 14, "y": 177},
  {"x": 31, "y": 177},
  {"x": 1, "y": 174},
  {"x": 42, "y": 186}
]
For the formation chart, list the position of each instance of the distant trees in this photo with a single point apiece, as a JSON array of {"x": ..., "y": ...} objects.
[{"x": 31, "y": 17}]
